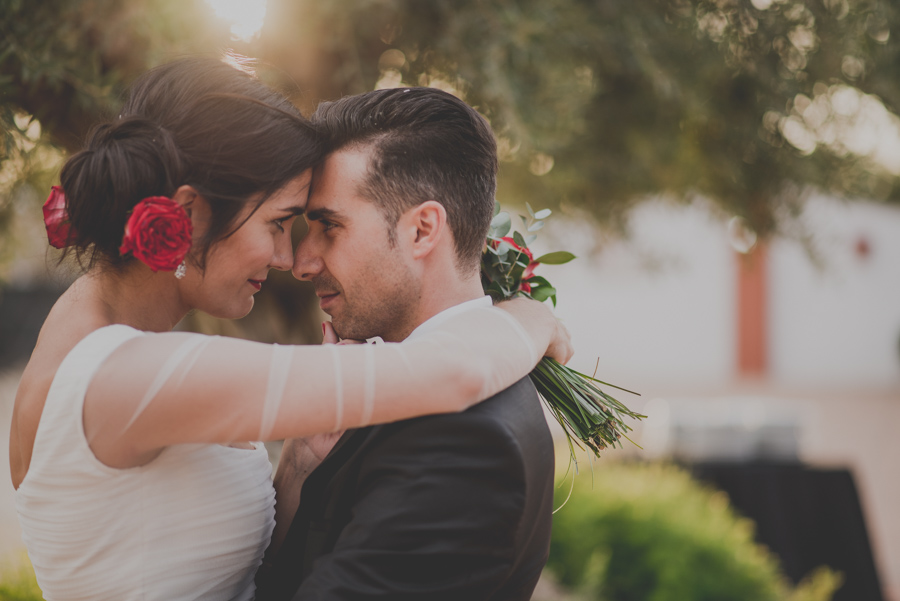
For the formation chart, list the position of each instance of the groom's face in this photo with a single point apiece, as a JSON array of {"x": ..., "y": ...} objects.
[{"x": 364, "y": 282}]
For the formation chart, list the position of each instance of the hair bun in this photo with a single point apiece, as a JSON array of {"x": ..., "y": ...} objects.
[
  {"x": 122, "y": 129},
  {"x": 124, "y": 161}
]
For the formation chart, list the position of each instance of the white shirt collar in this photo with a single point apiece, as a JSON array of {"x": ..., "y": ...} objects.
[{"x": 433, "y": 321}]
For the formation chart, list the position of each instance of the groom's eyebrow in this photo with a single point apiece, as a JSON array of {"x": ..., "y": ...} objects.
[{"x": 319, "y": 214}]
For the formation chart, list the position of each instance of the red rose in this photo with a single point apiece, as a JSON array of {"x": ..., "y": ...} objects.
[
  {"x": 529, "y": 271},
  {"x": 158, "y": 233},
  {"x": 526, "y": 250},
  {"x": 56, "y": 218}
]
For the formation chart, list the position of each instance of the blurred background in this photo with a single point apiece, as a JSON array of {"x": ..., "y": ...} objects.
[{"x": 725, "y": 170}]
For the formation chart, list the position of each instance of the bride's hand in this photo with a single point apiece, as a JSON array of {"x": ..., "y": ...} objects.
[
  {"x": 540, "y": 322},
  {"x": 310, "y": 451},
  {"x": 300, "y": 456},
  {"x": 329, "y": 336},
  {"x": 561, "y": 346}
]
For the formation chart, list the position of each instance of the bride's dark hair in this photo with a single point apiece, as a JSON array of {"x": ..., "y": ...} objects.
[{"x": 195, "y": 121}]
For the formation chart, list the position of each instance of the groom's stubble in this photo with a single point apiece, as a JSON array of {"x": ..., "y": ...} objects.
[{"x": 383, "y": 306}]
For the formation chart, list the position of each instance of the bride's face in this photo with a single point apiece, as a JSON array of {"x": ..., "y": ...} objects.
[{"x": 237, "y": 266}]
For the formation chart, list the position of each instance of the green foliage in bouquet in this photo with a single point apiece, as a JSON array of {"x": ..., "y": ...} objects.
[
  {"x": 649, "y": 532},
  {"x": 585, "y": 412},
  {"x": 17, "y": 581}
]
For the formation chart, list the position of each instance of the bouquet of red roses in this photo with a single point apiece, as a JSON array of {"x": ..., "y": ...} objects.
[{"x": 584, "y": 411}]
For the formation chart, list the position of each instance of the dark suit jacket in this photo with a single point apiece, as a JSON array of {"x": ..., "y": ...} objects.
[{"x": 443, "y": 507}]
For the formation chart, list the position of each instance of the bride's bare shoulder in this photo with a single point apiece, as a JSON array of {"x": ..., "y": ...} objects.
[{"x": 65, "y": 326}]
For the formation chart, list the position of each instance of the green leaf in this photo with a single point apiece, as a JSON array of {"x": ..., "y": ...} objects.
[
  {"x": 500, "y": 225},
  {"x": 497, "y": 291},
  {"x": 496, "y": 207},
  {"x": 542, "y": 293},
  {"x": 543, "y": 214},
  {"x": 535, "y": 226},
  {"x": 538, "y": 280},
  {"x": 530, "y": 210},
  {"x": 555, "y": 258},
  {"x": 530, "y": 238},
  {"x": 519, "y": 240}
]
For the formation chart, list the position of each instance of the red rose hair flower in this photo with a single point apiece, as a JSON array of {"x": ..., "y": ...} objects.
[
  {"x": 158, "y": 233},
  {"x": 56, "y": 218}
]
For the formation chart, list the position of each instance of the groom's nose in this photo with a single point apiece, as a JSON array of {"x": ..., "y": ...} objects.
[{"x": 307, "y": 263}]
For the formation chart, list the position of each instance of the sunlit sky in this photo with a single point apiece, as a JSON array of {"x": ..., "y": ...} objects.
[{"x": 246, "y": 16}]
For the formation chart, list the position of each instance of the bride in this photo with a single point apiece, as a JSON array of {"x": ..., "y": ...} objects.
[{"x": 129, "y": 445}]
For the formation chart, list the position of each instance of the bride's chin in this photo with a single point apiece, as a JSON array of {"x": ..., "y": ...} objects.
[
  {"x": 244, "y": 310},
  {"x": 237, "y": 310},
  {"x": 249, "y": 307}
]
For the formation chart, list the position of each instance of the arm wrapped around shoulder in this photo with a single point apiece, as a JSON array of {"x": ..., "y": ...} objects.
[
  {"x": 480, "y": 352},
  {"x": 164, "y": 389}
]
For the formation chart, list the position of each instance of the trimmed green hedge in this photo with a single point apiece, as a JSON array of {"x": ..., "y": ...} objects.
[{"x": 649, "y": 532}]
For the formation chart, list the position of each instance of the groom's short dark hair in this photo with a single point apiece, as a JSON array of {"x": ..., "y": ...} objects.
[{"x": 426, "y": 145}]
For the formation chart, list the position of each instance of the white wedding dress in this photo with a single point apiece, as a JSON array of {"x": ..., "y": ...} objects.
[{"x": 191, "y": 524}]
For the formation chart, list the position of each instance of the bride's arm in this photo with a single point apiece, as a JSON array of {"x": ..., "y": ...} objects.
[{"x": 163, "y": 389}]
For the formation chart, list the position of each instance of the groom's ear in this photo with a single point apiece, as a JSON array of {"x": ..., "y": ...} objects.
[{"x": 424, "y": 226}]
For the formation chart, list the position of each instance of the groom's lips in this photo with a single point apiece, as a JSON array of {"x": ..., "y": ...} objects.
[
  {"x": 325, "y": 299},
  {"x": 256, "y": 283}
]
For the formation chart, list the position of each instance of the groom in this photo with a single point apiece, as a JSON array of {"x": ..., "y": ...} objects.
[{"x": 451, "y": 507}]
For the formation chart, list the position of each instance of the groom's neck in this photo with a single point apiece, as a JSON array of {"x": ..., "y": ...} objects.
[{"x": 439, "y": 295}]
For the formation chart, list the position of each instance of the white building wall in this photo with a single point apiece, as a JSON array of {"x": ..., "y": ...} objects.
[
  {"x": 661, "y": 306},
  {"x": 838, "y": 324}
]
